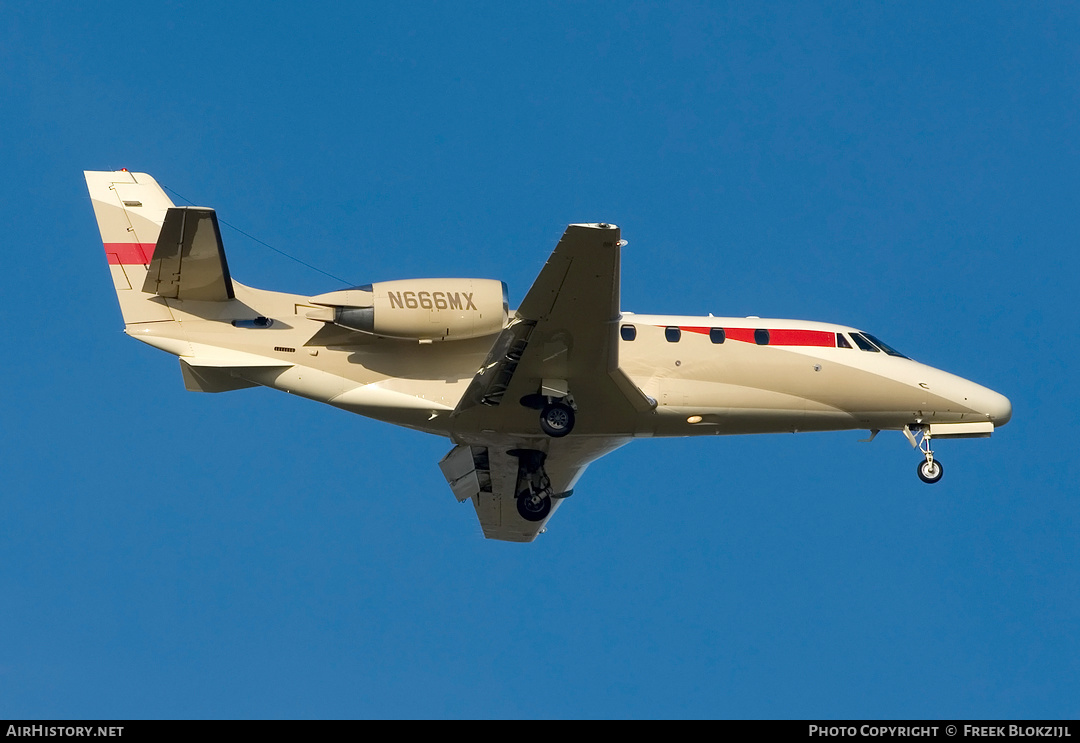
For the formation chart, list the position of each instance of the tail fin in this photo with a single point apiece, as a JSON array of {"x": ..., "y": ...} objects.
[{"x": 130, "y": 209}]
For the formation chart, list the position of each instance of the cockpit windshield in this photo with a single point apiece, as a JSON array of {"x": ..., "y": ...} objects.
[
  {"x": 886, "y": 348},
  {"x": 862, "y": 342}
]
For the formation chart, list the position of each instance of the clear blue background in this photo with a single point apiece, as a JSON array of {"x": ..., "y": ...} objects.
[{"x": 905, "y": 168}]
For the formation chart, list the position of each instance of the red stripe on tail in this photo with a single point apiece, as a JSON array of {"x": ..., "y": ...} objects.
[{"x": 130, "y": 254}]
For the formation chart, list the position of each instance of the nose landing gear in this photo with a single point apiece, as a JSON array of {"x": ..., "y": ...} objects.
[{"x": 930, "y": 470}]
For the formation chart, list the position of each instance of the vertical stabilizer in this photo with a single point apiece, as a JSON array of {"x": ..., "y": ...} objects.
[{"x": 130, "y": 208}]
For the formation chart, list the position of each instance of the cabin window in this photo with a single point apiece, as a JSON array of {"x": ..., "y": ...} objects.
[
  {"x": 717, "y": 335},
  {"x": 864, "y": 344},
  {"x": 628, "y": 332},
  {"x": 761, "y": 337},
  {"x": 887, "y": 349},
  {"x": 841, "y": 341},
  {"x": 673, "y": 334}
]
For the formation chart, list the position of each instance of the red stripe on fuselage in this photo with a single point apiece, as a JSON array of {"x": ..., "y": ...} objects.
[
  {"x": 129, "y": 254},
  {"x": 823, "y": 338},
  {"x": 746, "y": 335},
  {"x": 802, "y": 338}
]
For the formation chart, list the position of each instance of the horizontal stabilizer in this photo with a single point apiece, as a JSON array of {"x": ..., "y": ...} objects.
[
  {"x": 189, "y": 258},
  {"x": 222, "y": 370},
  {"x": 212, "y": 379}
]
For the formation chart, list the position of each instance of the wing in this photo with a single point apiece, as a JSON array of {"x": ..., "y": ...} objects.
[
  {"x": 493, "y": 474},
  {"x": 563, "y": 341},
  {"x": 561, "y": 344}
]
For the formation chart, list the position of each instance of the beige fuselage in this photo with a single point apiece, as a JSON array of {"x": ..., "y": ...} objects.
[{"x": 699, "y": 387}]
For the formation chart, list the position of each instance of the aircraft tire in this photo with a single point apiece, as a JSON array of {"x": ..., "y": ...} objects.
[
  {"x": 533, "y": 508},
  {"x": 930, "y": 472},
  {"x": 557, "y": 419}
]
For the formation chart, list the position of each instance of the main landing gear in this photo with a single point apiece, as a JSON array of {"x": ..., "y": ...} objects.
[
  {"x": 534, "y": 493},
  {"x": 556, "y": 413},
  {"x": 930, "y": 470},
  {"x": 534, "y": 486},
  {"x": 533, "y": 506},
  {"x": 557, "y": 419}
]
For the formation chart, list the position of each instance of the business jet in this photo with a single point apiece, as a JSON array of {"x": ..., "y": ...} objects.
[{"x": 530, "y": 397}]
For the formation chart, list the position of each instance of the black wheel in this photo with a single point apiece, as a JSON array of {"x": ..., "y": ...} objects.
[
  {"x": 533, "y": 507},
  {"x": 557, "y": 419},
  {"x": 930, "y": 472}
]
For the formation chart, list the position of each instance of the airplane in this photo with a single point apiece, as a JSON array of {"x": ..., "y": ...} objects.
[{"x": 530, "y": 397}]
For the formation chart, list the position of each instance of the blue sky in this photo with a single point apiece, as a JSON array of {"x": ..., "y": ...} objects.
[{"x": 904, "y": 168}]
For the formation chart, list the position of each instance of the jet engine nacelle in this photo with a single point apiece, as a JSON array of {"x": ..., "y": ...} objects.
[{"x": 419, "y": 309}]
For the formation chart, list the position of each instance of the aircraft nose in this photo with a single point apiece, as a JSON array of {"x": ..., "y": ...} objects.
[
  {"x": 978, "y": 400},
  {"x": 998, "y": 408},
  {"x": 994, "y": 406}
]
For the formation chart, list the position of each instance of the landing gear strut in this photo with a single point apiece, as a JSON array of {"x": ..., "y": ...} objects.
[{"x": 930, "y": 470}]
